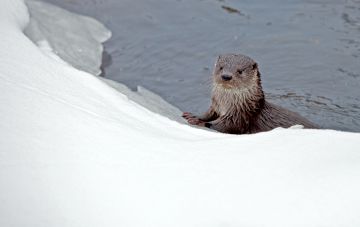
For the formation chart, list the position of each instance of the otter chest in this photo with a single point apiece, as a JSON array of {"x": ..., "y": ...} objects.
[{"x": 224, "y": 106}]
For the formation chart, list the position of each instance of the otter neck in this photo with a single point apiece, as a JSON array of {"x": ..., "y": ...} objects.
[{"x": 241, "y": 106}]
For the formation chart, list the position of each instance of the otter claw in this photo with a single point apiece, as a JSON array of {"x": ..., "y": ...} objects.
[
  {"x": 187, "y": 115},
  {"x": 193, "y": 120},
  {"x": 196, "y": 121}
]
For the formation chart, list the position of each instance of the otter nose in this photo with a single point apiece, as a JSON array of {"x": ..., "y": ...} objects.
[{"x": 226, "y": 77}]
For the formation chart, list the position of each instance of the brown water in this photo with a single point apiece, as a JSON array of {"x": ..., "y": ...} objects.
[{"x": 308, "y": 51}]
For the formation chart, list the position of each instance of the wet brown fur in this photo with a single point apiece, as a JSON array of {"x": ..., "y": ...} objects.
[{"x": 238, "y": 105}]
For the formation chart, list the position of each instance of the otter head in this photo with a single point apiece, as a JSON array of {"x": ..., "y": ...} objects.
[{"x": 236, "y": 71}]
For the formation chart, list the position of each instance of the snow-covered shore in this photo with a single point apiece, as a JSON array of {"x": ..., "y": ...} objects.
[{"x": 76, "y": 152}]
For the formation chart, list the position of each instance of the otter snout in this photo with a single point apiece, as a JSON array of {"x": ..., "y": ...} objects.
[{"x": 226, "y": 77}]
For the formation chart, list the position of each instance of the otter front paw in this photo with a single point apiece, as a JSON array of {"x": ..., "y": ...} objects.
[
  {"x": 187, "y": 115},
  {"x": 196, "y": 121},
  {"x": 193, "y": 120}
]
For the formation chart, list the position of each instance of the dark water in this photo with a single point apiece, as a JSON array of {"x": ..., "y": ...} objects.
[{"x": 308, "y": 51}]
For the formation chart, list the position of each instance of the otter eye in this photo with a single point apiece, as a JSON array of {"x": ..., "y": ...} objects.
[
  {"x": 221, "y": 68},
  {"x": 239, "y": 71},
  {"x": 254, "y": 66}
]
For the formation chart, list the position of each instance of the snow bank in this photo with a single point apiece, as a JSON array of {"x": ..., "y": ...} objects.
[
  {"x": 77, "y": 40},
  {"x": 76, "y": 152}
]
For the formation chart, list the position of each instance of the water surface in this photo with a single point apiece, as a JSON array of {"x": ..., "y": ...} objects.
[{"x": 308, "y": 50}]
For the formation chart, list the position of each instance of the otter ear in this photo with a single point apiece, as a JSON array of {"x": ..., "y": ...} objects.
[
  {"x": 217, "y": 60},
  {"x": 254, "y": 66}
]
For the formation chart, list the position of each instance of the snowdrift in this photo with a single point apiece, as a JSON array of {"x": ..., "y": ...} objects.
[{"x": 74, "y": 151}]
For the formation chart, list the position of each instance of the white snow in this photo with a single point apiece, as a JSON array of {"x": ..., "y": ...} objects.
[{"x": 74, "y": 151}]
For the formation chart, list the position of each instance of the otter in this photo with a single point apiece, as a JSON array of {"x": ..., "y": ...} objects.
[{"x": 238, "y": 104}]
